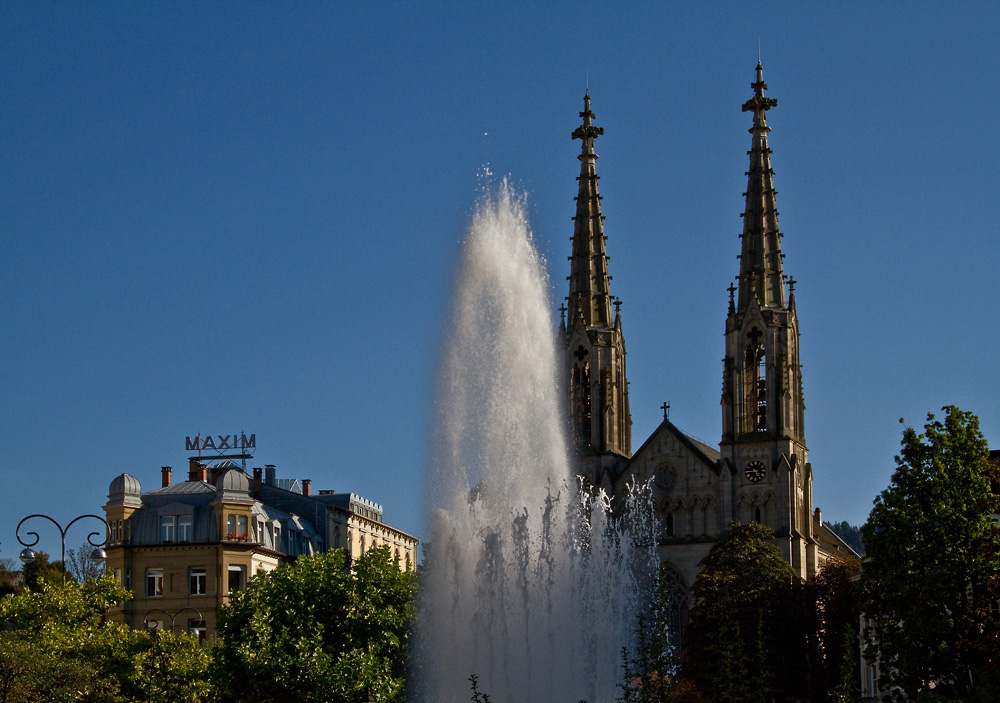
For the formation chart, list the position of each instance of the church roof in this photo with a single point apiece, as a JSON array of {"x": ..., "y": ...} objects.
[
  {"x": 830, "y": 542},
  {"x": 706, "y": 453}
]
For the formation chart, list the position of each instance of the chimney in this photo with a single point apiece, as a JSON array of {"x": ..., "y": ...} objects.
[
  {"x": 269, "y": 478},
  {"x": 197, "y": 471},
  {"x": 818, "y": 516},
  {"x": 306, "y": 486},
  {"x": 167, "y": 475},
  {"x": 257, "y": 480}
]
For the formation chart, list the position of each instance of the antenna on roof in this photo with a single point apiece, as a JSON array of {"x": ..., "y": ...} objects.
[{"x": 758, "y": 48}]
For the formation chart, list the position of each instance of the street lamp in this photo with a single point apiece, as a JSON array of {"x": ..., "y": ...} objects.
[
  {"x": 172, "y": 616},
  {"x": 28, "y": 555}
]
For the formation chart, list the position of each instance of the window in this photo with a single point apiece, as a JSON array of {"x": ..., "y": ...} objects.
[
  {"x": 755, "y": 384},
  {"x": 197, "y": 581},
  {"x": 198, "y": 629},
  {"x": 231, "y": 525},
  {"x": 185, "y": 525},
  {"x": 241, "y": 526},
  {"x": 167, "y": 528},
  {"x": 128, "y": 579},
  {"x": 154, "y": 583},
  {"x": 235, "y": 578}
]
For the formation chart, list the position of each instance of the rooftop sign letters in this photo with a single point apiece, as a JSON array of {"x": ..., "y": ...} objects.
[{"x": 220, "y": 442}]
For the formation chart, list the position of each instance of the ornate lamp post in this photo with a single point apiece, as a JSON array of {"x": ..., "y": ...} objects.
[
  {"x": 28, "y": 554},
  {"x": 172, "y": 616}
]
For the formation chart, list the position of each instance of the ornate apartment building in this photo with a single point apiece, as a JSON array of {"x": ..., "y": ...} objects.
[{"x": 183, "y": 548}]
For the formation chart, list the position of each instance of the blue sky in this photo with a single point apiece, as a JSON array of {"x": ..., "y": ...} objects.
[{"x": 246, "y": 217}]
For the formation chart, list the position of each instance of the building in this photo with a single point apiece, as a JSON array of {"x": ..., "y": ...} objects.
[
  {"x": 184, "y": 547},
  {"x": 760, "y": 470}
]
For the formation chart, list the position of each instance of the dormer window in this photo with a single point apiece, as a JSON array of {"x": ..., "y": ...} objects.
[
  {"x": 168, "y": 528},
  {"x": 185, "y": 528}
]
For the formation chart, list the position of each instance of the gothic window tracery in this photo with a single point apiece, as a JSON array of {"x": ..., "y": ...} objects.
[
  {"x": 582, "y": 394},
  {"x": 755, "y": 383},
  {"x": 674, "y": 598}
]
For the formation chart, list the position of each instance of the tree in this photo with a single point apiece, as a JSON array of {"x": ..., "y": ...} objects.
[
  {"x": 932, "y": 571},
  {"x": 81, "y": 566},
  {"x": 738, "y": 595},
  {"x": 56, "y": 646},
  {"x": 318, "y": 631},
  {"x": 41, "y": 570},
  {"x": 836, "y": 598}
]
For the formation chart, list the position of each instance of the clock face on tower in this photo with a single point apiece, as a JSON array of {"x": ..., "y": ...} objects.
[{"x": 754, "y": 471}]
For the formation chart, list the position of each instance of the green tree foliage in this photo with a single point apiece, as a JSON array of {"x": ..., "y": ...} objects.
[
  {"x": 56, "y": 646},
  {"x": 836, "y": 600},
  {"x": 42, "y": 570},
  {"x": 318, "y": 631},
  {"x": 933, "y": 564},
  {"x": 737, "y": 599}
]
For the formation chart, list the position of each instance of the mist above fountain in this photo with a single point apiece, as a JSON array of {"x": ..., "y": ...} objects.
[{"x": 527, "y": 584}]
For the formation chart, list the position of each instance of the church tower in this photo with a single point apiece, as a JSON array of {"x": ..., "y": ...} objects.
[
  {"x": 600, "y": 421},
  {"x": 763, "y": 437}
]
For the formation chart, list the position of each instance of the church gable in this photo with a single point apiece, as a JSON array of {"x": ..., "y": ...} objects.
[{"x": 685, "y": 481}]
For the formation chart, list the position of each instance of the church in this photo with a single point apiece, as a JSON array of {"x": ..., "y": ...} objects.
[{"x": 760, "y": 470}]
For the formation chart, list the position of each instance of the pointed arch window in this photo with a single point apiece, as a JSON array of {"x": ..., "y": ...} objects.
[
  {"x": 755, "y": 383},
  {"x": 582, "y": 412},
  {"x": 674, "y": 598}
]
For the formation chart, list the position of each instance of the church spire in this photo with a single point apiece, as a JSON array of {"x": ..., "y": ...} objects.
[
  {"x": 763, "y": 411},
  {"x": 589, "y": 287},
  {"x": 760, "y": 261},
  {"x": 600, "y": 421}
]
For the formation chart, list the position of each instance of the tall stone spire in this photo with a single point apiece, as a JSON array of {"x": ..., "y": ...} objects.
[
  {"x": 760, "y": 260},
  {"x": 589, "y": 282},
  {"x": 763, "y": 434},
  {"x": 601, "y": 424}
]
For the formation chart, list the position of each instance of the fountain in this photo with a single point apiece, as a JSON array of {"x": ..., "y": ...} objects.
[{"x": 529, "y": 584}]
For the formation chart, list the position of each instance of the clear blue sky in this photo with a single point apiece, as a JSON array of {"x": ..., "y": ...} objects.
[{"x": 246, "y": 216}]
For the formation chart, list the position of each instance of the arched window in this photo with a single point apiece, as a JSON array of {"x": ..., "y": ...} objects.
[
  {"x": 755, "y": 383},
  {"x": 756, "y": 514},
  {"x": 582, "y": 413},
  {"x": 670, "y": 524},
  {"x": 674, "y": 598}
]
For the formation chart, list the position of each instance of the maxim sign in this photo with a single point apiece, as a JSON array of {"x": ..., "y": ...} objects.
[{"x": 220, "y": 442}]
